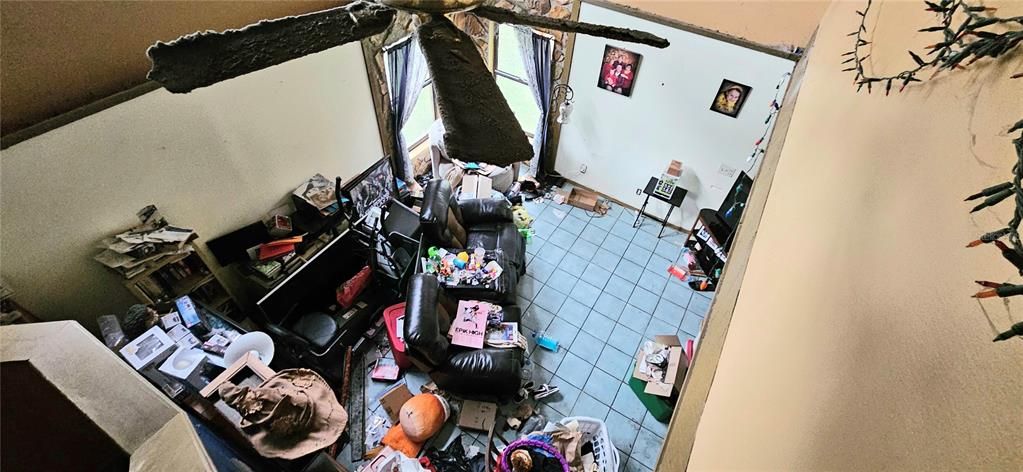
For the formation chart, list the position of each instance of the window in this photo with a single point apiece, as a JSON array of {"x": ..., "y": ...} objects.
[
  {"x": 423, "y": 115},
  {"x": 510, "y": 73}
]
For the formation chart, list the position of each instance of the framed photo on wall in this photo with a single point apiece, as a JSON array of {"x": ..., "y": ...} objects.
[
  {"x": 618, "y": 70},
  {"x": 730, "y": 98}
]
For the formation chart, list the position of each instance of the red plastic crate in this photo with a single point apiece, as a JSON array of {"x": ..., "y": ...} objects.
[{"x": 391, "y": 315}]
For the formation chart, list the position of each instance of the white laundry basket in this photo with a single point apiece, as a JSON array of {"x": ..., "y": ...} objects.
[{"x": 595, "y": 431}]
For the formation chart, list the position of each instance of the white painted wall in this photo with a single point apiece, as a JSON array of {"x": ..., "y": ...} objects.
[
  {"x": 215, "y": 160},
  {"x": 624, "y": 141}
]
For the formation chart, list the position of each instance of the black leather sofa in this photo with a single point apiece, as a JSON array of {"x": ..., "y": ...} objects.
[
  {"x": 484, "y": 222},
  {"x": 465, "y": 372}
]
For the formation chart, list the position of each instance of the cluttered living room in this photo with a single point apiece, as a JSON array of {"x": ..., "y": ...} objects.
[
  {"x": 378, "y": 236},
  {"x": 460, "y": 238}
]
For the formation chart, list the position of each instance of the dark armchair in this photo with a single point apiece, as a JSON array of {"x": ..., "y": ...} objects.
[
  {"x": 463, "y": 371},
  {"x": 484, "y": 222}
]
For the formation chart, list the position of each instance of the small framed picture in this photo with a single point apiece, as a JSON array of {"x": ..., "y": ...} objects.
[
  {"x": 618, "y": 70},
  {"x": 247, "y": 370},
  {"x": 730, "y": 98}
]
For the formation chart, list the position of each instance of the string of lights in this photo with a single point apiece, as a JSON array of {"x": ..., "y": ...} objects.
[
  {"x": 969, "y": 41},
  {"x": 760, "y": 147}
]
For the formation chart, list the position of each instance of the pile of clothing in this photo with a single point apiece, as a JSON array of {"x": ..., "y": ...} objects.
[{"x": 549, "y": 449}]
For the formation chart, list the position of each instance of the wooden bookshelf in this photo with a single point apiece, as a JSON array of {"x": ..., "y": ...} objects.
[{"x": 182, "y": 274}]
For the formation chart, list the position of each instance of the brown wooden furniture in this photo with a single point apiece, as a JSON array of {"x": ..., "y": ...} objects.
[{"x": 183, "y": 274}]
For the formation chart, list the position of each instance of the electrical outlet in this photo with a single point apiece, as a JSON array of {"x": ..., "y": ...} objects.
[
  {"x": 727, "y": 171},
  {"x": 582, "y": 168}
]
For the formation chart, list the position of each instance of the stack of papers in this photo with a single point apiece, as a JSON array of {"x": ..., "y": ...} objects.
[{"x": 131, "y": 251}]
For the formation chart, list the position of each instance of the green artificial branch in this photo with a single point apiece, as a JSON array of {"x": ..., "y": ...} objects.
[
  {"x": 960, "y": 47},
  {"x": 969, "y": 40},
  {"x": 992, "y": 196}
]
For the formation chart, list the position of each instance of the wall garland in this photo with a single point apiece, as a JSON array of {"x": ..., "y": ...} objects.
[
  {"x": 759, "y": 146},
  {"x": 960, "y": 47}
]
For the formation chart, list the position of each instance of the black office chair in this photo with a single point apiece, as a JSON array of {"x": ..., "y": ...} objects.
[
  {"x": 318, "y": 340},
  {"x": 304, "y": 317}
]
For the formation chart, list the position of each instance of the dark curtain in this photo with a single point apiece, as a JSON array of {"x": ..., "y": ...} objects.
[
  {"x": 537, "y": 53},
  {"x": 406, "y": 71}
]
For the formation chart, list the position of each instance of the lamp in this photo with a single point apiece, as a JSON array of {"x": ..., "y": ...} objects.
[
  {"x": 256, "y": 341},
  {"x": 562, "y": 94}
]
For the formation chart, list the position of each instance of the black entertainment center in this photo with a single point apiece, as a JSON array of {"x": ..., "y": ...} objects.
[{"x": 711, "y": 235}]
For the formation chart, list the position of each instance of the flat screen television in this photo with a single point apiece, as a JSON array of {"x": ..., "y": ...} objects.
[
  {"x": 735, "y": 202},
  {"x": 232, "y": 247},
  {"x": 373, "y": 188}
]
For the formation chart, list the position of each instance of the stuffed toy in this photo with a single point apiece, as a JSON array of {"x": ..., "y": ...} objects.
[
  {"x": 422, "y": 416},
  {"x": 521, "y": 217},
  {"x": 521, "y": 461}
]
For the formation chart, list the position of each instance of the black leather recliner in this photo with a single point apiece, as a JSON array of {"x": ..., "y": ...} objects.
[
  {"x": 462, "y": 371},
  {"x": 483, "y": 222}
]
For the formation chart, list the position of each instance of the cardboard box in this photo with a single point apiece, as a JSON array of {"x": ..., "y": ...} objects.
[
  {"x": 587, "y": 200},
  {"x": 675, "y": 372},
  {"x": 476, "y": 186},
  {"x": 186, "y": 364},
  {"x": 674, "y": 169},
  {"x": 393, "y": 399},
  {"x": 170, "y": 320},
  {"x": 479, "y": 416},
  {"x": 62, "y": 356}
]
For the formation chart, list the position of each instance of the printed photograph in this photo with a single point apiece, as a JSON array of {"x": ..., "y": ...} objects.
[
  {"x": 730, "y": 98},
  {"x": 618, "y": 70},
  {"x": 375, "y": 190}
]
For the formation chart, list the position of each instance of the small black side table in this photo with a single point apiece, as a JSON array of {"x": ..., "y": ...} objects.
[{"x": 675, "y": 201}]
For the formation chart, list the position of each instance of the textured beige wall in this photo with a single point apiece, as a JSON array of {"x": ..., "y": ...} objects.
[
  {"x": 214, "y": 160},
  {"x": 854, "y": 344},
  {"x": 771, "y": 22},
  {"x": 60, "y": 55}
]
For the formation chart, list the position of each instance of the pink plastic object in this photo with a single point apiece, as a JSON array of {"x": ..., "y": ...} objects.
[
  {"x": 391, "y": 315},
  {"x": 678, "y": 272}
]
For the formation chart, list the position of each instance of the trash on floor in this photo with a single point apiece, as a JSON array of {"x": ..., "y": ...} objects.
[
  {"x": 478, "y": 416},
  {"x": 660, "y": 363}
]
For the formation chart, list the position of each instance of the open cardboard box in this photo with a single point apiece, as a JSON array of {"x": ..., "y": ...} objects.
[
  {"x": 581, "y": 198},
  {"x": 674, "y": 374},
  {"x": 476, "y": 186},
  {"x": 587, "y": 200}
]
